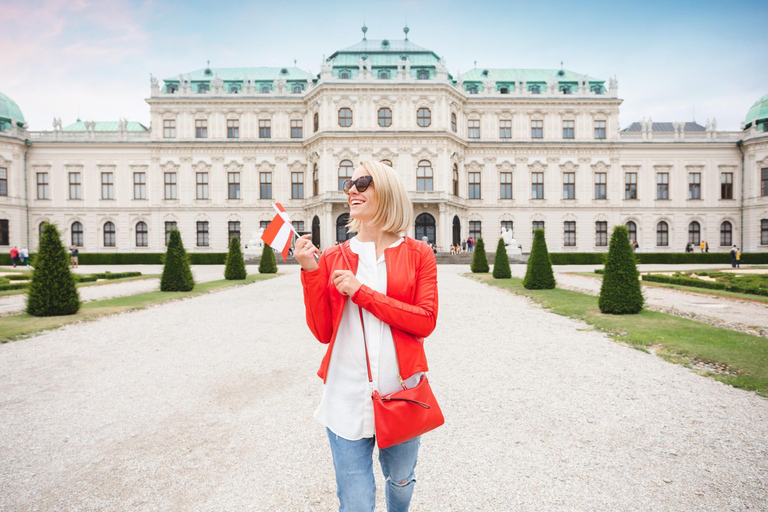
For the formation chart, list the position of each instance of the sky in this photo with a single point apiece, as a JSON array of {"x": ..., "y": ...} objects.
[{"x": 674, "y": 60}]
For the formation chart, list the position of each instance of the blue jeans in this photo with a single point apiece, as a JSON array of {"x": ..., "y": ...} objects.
[{"x": 356, "y": 487}]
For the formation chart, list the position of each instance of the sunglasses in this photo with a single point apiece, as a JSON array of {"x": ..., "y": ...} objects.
[{"x": 361, "y": 184}]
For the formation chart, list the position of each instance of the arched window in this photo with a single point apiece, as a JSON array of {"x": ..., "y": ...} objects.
[
  {"x": 109, "y": 234},
  {"x": 632, "y": 228},
  {"x": 473, "y": 89},
  {"x": 424, "y": 176},
  {"x": 662, "y": 234},
  {"x": 726, "y": 234},
  {"x": 344, "y": 75},
  {"x": 535, "y": 89},
  {"x": 315, "y": 180},
  {"x": 425, "y": 227},
  {"x": 345, "y": 172},
  {"x": 142, "y": 235},
  {"x": 384, "y": 75},
  {"x": 77, "y": 233},
  {"x": 40, "y": 229},
  {"x": 385, "y": 117},
  {"x": 387, "y": 162},
  {"x": 454, "y": 127},
  {"x": 694, "y": 233},
  {"x": 422, "y": 74},
  {"x": 504, "y": 90},
  {"x": 316, "y": 121},
  {"x": 342, "y": 233},
  {"x": 423, "y": 117},
  {"x": 265, "y": 89},
  {"x": 316, "y": 231},
  {"x": 345, "y": 117},
  {"x": 456, "y": 179},
  {"x": 296, "y": 89}
]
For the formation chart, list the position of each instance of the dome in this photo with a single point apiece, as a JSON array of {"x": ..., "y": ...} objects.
[
  {"x": 758, "y": 112},
  {"x": 10, "y": 110}
]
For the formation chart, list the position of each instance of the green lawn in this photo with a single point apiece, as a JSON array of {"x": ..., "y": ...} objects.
[
  {"x": 680, "y": 340},
  {"x": 16, "y": 326}
]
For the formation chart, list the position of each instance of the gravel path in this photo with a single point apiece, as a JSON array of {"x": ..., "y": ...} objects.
[
  {"x": 206, "y": 404},
  {"x": 729, "y": 313},
  {"x": 12, "y": 304}
]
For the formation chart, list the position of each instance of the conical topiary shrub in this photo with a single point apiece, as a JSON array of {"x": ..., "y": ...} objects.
[
  {"x": 479, "y": 259},
  {"x": 53, "y": 291},
  {"x": 235, "y": 265},
  {"x": 267, "y": 263},
  {"x": 501, "y": 268},
  {"x": 621, "y": 292},
  {"x": 539, "y": 275},
  {"x": 177, "y": 276}
]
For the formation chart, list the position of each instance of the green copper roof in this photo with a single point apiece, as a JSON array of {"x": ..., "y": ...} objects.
[
  {"x": 384, "y": 53},
  {"x": 238, "y": 74},
  {"x": 529, "y": 75},
  {"x": 758, "y": 112},
  {"x": 347, "y": 60},
  {"x": 384, "y": 45},
  {"x": 10, "y": 110},
  {"x": 79, "y": 126}
]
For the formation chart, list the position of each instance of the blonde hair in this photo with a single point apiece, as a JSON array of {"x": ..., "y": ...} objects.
[{"x": 394, "y": 212}]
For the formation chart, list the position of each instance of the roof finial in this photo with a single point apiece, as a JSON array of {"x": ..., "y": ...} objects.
[
  {"x": 364, "y": 29},
  {"x": 294, "y": 62},
  {"x": 475, "y": 62},
  {"x": 406, "y": 30},
  {"x": 209, "y": 63}
]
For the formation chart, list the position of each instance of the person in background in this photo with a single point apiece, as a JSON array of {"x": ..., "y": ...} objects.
[
  {"x": 702, "y": 245},
  {"x": 738, "y": 257},
  {"x": 14, "y": 256},
  {"x": 734, "y": 252},
  {"x": 24, "y": 255},
  {"x": 706, "y": 246},
  {"x": 73, "y": 254},
  {"x": 471, "y": 244},
  {"x": 463, "y": 245}
]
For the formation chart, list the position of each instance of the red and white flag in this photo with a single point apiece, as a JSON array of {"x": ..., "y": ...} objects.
[{"x": 279, "y": 233}]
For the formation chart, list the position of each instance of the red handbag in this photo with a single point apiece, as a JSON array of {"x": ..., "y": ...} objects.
[{"x": 404, "y": 414}]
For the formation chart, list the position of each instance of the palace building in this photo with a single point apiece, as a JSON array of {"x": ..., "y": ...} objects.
[{"x": 478, "y": 151}]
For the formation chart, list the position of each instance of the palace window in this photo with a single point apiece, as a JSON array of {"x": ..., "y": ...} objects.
[
  {"x": 385, "y": 117},
  {"x": 630, "y": 185},
  {"x": 535, "y": 89},
  {"x": 297, "y": 89},
  {"x": 316, "y": 122},
  {"x": 265, "y": 89},
  {"x": 568, "y": 129},
  {"x": 170, "y": 185},
  {"x": 726, "y": 185},
  {"x": 474, "y": 185},
  {"x": 504, "y": 90},
  {"x": 297, "y": 128},
  {"x": 201, "y": 128},
  {"x": 475, "y": 230},
  {"x": 297, "y": 185},
  {"x": 537, "y": 224},
  {"x": 139, "y": 185},
  {"x": 472, "y": 89},
  {"x": 109, "y": 234},
  {"x": 694, "y": 233},
  {"x": 569, "y": 233},
  {"x": 506, "y": 224},
  {"x": 764, "y": 181},
  {"x": 233, "y": 128},
  {"x": 569, "y": 185},
  {"x": 599, "y": 129},
  {"x": 537, "y": 185},
  {"x": 315, "y": 180},
  {"x": 263, "y": 224},
  {"x": 345, "y": 172},
  {"x": 456, "y": 179},
  {"x": 107, "y": 185},
  {"x": 694, "y": 185},
  {"x": 763, "y": 231},
  {"x": 505, "y": 129},
  {"x": 601, "y": 233},
  {"x": 77, "y": 234},
  {"x": 345, "y": 117},
  {"x": 726, "y": 234},
  {"x": 202, "y": 233},
  {"x": 5, "y": 234},
  {"x": 662, "y": 234},
  {"x": 423, "y": 117},
  {"x": 142, "y": 234},
  {"x": 344, "y": 75},
  {"x": 202, "y": 88},
  {"x": 265, "y": 185},
  {"x": 424, "y": 176},
  {"x": 42, "y": 185},
  {"x": 265, "y": 128},
  {"x": 169, "y": 128},
  {"x": 537, "y": 129},
  {"x": 169, "y": 226},
  {"x": 632, "y": 229},
  {"x": 662, "y": 185},
  {"x": 233, "y": 229},
  {"x": 422, "y": 74},
  {"x": 233, "y": 89},
  {"x": 505, "y": 183},
  {"x": 3, "y": 181},
  {"x": 596, "y": 89},
  {"x": 473, "y": 129},
  {"x": 75, "y": 185},
  {"x": 233, "y": 185},
  {"x": 600, "y": 185},
  {"x": 201, "y": 179},
  {"x": 383, "y": 75},
  {"x": 454, "y": 127}
]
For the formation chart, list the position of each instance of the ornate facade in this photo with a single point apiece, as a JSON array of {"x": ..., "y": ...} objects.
[{"x": 478, "y": 151}]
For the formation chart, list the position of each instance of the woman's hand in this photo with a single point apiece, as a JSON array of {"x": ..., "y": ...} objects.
[
  {"x": 304, "y": 252},
  {"x": 346, "y": 282}
]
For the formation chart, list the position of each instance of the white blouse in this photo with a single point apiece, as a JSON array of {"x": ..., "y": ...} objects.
[{"x": 346, "y": 407}]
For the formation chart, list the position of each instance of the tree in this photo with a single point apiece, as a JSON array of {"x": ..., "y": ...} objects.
[
  {"x": 177, "y": 276},
  {"x": 53, "y": 291},
  {"x": 620, "y": 293},
  {"x": 267, "y": 263},
  {"x": 234, "y": 267},
  {"x": 539, "y": 275},
  {"x": 501, "y": 268},
  {"x": 479, "y": 259}
]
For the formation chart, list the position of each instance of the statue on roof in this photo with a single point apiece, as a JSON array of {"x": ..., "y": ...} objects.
[
  {"x": 714, "y": 124},
  {"x": 459, "y": 80},
  {"x": 613, "y": 83},
  {"x": 368, "y": 65},
  {"x": 325, "y": 65},
  {"x": 407, "y": 67},
  {"x": 153, "y": 83},
  {"x": 441, "y": 66},
  {"x": 309, "y": 79},
  {"x": 399, "y": 66},
  {"x": 57, "y": 124},
  {"x": 217, "y": 84},
  {"x": 360, "y": 65},
  {"x": 522, "y": 85},
  {"x": 489, "y": 85}
]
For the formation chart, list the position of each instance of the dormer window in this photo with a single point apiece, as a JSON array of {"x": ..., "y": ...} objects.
[
  {"x": 535, "y": 89},
  {"x": 485, "y": 72},
  {"x": 202, "y": 88},
  {"x": 385, "y": 44},
  {"x": 597, "y": 89},
  {"x": 384, "y": 75},
  {"x": 566, "y": 89},
  {"x": 172, "y": 89},
  {"x": 283, "y": 71},
  {"x": 504, "y": 90},
  {"x": 473, "y": 89},
  {"x": 233, "y": 89},
  {"x": 344, "y": 75},
  {"x": 422, "y": 74},
  {"x": 265, "y": 89},
  {"x": 296, "y": 89}
]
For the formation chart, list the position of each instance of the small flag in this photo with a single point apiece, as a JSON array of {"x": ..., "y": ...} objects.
[{"x": 279, "y": 233}]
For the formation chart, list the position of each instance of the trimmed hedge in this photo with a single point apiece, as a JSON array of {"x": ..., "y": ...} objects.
[
  {"x": 18, "y": 277},
  {"x": 116, "y": 275},
  {"x": 85, "y": 279},
  {"x": 699, "y": 283},
  {"x": 234, "y": 268},
  {"x": 479, "y": 263},
  {"x": 501, "y": 268},
  {"x": 53, "y": 291},
  {"x": 538, "y": 273},
  {"x": 620, "y": 292},
  {"x": 267, "y": 263},
  {"x": 14, "y": 286},
  {"x": 177, "y": 276},
  {"x": 577, "y": 258},
  {"x": 670, "y": 258}
]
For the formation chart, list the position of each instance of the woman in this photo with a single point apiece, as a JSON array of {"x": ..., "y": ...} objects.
[{"x": 394, "y": 279}]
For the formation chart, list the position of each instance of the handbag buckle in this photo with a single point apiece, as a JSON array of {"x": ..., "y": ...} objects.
[{"x": 402, "y": 383}]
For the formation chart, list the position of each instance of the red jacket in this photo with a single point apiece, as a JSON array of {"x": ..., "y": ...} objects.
[{"x": 409, "y": 307}]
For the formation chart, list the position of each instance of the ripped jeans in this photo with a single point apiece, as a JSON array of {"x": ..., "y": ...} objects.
[{"x": 356, "y": 487}]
